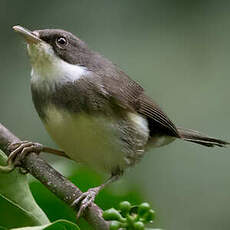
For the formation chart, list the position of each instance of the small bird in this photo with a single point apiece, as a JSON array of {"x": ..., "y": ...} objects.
[{"x": 92, "y": 109}]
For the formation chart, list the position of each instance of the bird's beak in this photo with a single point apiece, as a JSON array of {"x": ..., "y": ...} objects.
[{"x": 28, "y": 35}]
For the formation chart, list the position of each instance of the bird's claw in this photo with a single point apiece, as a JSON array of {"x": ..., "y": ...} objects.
[
  {"x": 85, "y": 200},
  {"x": 18, "y": 152}
]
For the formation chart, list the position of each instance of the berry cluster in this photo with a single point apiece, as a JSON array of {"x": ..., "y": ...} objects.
[{"x": 129, "y": 217}]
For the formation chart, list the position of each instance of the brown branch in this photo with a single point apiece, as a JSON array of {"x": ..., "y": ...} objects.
[{"x": 53, "y": 180}]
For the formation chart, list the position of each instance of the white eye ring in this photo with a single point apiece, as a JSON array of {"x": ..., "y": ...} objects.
[{"x": 61, "y": 41}]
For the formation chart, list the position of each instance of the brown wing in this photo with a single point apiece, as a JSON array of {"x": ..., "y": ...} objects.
[
  {"x": 128, "y": 94},
  {"x": 159, "y": 123}
]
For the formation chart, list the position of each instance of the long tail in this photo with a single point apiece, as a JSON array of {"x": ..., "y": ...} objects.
[{"x": 199, "y": 138}]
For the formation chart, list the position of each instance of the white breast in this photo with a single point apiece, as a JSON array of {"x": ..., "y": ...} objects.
[{"x": 91, "y": 140}]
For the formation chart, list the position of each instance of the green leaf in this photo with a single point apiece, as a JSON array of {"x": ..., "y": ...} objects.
[
  {"x": 57, "y": 225},
  {"x": 2, "y": 228},
  {"x": 16, "y": 195}
]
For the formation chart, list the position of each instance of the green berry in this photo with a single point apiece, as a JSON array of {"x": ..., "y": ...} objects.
[
  {"x": 150, "y": 216},
  {"x": 131, "y": 219},
  {"x": 112, "y": 214},
  {"x": 114, "y": 225},
  {"x": 139, "y": 226},
  {"x": 143, "y": 209},
  {"x": 125, "y": 207}
]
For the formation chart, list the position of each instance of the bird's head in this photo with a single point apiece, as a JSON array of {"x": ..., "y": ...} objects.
[
  {"x": 50, "y": 44},
  {"x": 56, "y": 54}
]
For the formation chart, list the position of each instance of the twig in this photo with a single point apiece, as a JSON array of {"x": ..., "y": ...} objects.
[{"x": 53, "y": 180}]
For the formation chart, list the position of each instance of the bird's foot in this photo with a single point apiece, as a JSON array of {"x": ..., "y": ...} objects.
[
  {"x": 18, "y": 152},
  {"x": 86, "y": 199}
]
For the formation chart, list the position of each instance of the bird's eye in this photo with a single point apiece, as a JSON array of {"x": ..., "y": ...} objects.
[{"x": 61, "y": 41}]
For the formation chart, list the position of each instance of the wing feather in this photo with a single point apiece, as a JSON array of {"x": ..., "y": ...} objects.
[
  {"x": 129, "y": 94},
  {"x": 159, "y": 123}
]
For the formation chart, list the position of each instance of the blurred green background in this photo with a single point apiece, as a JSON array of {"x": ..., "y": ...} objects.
[{"x": 179, "y": 52}]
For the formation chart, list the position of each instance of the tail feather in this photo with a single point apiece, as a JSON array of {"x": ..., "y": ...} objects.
[{"x": 199, "y": 138}]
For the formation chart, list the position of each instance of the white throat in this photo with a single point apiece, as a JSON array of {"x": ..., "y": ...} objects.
[{"x": 49, "y": 68}]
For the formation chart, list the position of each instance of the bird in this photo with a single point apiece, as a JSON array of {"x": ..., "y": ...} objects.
[{"x": 94, "y": 112}]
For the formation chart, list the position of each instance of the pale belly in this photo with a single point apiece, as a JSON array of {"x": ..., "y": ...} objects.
[{"x": 93, "y": 140}]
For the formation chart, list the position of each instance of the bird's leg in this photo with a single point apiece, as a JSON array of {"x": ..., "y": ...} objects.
[
  {"x": 20, "y": 149},
  {"x": 87, "y": 198}
]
